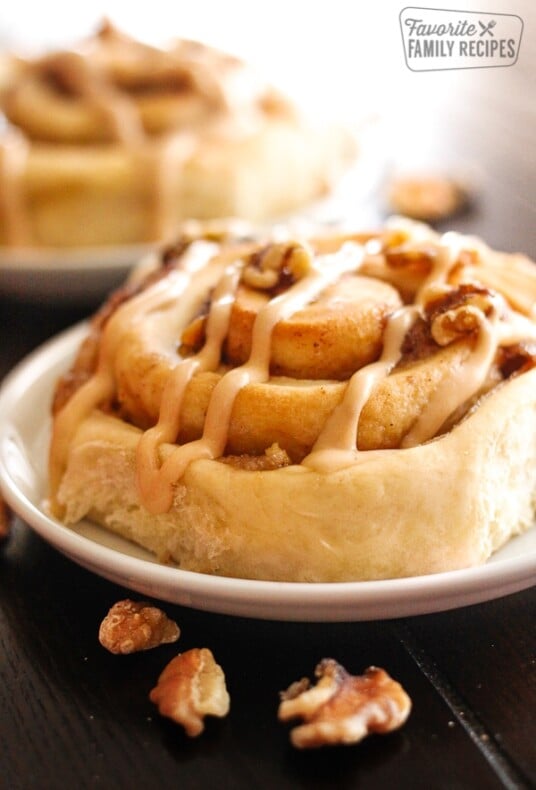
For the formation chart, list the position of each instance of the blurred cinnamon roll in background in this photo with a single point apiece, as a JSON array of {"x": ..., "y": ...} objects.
[{"x": 115, "y": 141}]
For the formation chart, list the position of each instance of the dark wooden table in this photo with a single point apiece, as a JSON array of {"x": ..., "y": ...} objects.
[{"x": 72, "y": 715}]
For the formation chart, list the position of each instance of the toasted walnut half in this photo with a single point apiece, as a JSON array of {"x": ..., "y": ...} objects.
[
  {"x": 456, "y": 324},
  {"x": 460, "y": 312},
  {"x": 131, "y": 626},
  {"x": 191, "y": 687},
  {"x": 277, "y": 265},
  {"x": 343, "y": 708}
]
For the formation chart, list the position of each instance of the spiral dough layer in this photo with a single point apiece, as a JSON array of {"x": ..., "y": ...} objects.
[{"x": 307, "y": 362}]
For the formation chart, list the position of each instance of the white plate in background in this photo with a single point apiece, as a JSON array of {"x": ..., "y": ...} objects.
[
  {"x": 65, "y": 275},
  {"x": 24, "y": 436}
]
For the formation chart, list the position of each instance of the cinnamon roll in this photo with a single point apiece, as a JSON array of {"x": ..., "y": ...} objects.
[
  {"x": 115, "y": 141},
  {"x": 334, "y": 407}
]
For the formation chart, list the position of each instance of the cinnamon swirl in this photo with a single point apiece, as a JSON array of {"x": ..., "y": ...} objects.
[
  {"x": 340, "y": 407},
  {"x": 115, "y": 141}
]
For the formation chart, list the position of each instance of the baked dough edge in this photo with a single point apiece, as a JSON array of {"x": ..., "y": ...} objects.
[{"x": 444, "y": 505}]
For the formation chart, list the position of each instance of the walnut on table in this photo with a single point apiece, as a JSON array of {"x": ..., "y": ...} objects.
[
  {"x": 342, "y": 708},
  {"x": 429, "y": 198},
  {"x": 131, "y": 626},
  {"x": 191, "y": 687}
]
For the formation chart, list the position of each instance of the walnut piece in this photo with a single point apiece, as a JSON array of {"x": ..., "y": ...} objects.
[
  {"x": 131, "y": 626},
  {"x": 277, "y": 265},
  {"x": 429, "y": 197},
  {"x": 191, "y": 687},
  {"x": 455, "y": 324},
  {"x": 5, "y": 519},
  {"x": 459, "y": 312},
  {"x": 343, "y": 708}
]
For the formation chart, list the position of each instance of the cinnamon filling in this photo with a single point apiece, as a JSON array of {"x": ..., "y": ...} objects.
[{"x": 439, "y": 353}]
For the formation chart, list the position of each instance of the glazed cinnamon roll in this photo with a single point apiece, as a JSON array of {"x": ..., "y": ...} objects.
[
  {"x": 115, "y": 141},
  {"x": 324, "y": 408}
]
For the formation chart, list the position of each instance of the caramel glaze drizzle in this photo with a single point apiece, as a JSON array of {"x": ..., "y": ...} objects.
[
  {"x": 100, "y": 387},
  {"x": 156, "y": 487},
  {"x": 154, "y": 482},
  {"x": 336, "y": 447}
]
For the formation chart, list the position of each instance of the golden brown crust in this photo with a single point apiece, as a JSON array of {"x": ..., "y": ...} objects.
[
  {"x": 322, "y": 479},
  {"x": 318, "y": 342},
  {"x": 339, "y": 333},
  {"x": 429, "y": 509}
]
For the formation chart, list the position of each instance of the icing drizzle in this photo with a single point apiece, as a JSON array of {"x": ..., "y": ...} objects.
[{"x": 201, "y": 270}]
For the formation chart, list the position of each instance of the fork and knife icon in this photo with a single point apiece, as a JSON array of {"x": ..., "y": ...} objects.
[{"x": 487, "y": 28}]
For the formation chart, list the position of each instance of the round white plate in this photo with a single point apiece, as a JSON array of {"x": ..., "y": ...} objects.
[
  {"x": 66, "y": 275},
  {"x": 24, "y": 436}
]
